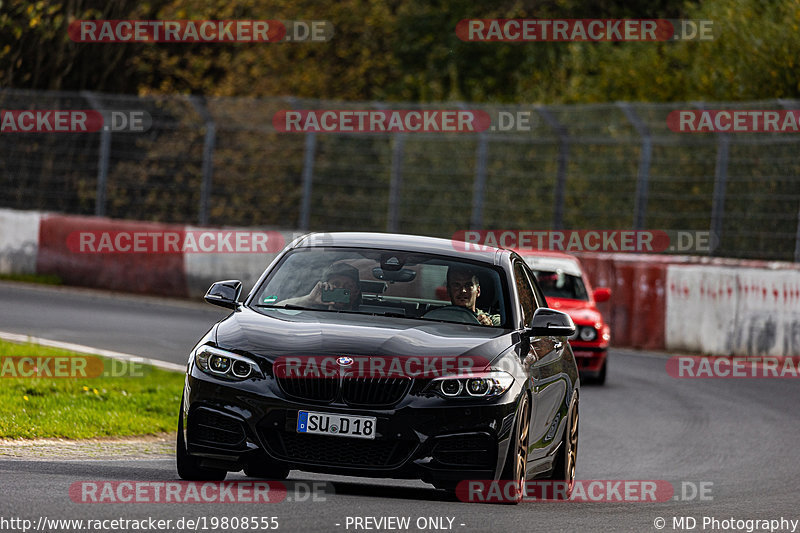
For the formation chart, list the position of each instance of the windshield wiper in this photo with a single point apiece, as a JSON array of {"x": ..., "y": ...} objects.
[
  {"x": 369, "y": 313},
  {"x": 288, "y": 306}
]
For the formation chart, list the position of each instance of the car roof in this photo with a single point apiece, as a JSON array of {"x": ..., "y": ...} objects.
[
  {"x": 400, "y": 242},
  {"x": 552, "y": 261},
  {"x": 544, "y": 253}
]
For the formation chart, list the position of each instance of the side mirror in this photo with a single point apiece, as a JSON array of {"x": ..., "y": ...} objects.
[
  {"x": 601, "y": 294},
  {"x": 549, "y": 322},
  {"x": 224, "y": 293}
]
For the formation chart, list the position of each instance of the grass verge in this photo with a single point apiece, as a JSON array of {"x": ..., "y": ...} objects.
[
  {"x": 80, "y": 408},
  {"x": 45, "y": 279}
]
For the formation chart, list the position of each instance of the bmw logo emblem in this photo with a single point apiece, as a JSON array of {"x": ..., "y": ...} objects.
[{"x": 345, "y": 361}]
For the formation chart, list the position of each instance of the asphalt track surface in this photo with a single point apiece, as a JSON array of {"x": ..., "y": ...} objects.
[{"x": 740, "y": 435}]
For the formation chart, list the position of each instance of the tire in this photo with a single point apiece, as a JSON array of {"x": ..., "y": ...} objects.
[
  {"x": 600, "y": 378},
  {"x": 265, "y": 471},
  {"x": 514, "y": 469},
  {"x": 564, "y": 464},
  {"x": 188, "y": 466}
]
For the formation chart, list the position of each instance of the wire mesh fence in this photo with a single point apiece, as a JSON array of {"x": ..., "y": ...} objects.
[{"x": 220, "y": 161}]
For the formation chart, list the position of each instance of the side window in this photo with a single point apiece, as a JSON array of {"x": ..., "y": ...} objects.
[
  {"x": 540, "y": 299},
  {"x": 525, "y": 291}
]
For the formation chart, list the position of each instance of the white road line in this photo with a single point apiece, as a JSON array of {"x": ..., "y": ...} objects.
[{"x": 80, "y": 348}]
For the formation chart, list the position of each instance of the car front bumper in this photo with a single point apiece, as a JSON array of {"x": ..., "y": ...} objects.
[
  {"x": 590, "y": 359},
  {"x": 423, "y": 436}
]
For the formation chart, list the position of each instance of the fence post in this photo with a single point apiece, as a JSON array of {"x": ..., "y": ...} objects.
[
  {"x": 787, "y": 104},
  {"x": 309, "y": 155},
  {"x": 563, "y": 156},
  {"x": 395, "y": 182},
  {"x": 645, "y": 157},
  {"x": 479, "y": 184},
  {"x": 479, "y": 187},
  {"x": 105, "y": 155},
  {"x": 720, "y": 185},
  {"x": 797, "y": 237},
  {"x": 209, "y": 142}
]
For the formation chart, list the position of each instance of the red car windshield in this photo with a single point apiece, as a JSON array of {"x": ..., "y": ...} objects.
[{"x": 560, "y": 285}]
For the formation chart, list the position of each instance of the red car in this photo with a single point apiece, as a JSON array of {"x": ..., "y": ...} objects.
[{"x": 567, "y": 289}]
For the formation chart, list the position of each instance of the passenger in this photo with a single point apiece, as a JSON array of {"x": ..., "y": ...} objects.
[
  {"x": 336, "y": 276},
  {"x": 464, "y": 288}
]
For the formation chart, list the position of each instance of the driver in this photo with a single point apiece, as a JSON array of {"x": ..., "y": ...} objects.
[
  {"x": 463, "y": 288},
  {"x": 336, "y": 276}
]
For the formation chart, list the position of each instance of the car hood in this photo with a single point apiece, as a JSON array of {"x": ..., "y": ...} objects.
[
  {"x": 581, "y": 311},
  {"x": 281, "y": 332}
]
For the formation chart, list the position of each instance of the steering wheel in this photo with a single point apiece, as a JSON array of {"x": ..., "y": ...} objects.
[{"x": 453, "y": 313}]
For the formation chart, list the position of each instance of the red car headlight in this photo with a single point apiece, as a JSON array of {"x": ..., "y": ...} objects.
[{"x": 587, "y": 333}]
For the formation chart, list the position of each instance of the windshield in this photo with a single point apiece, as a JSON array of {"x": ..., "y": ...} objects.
[
  {"x": 557, "y": 284},
  {"x": 389, "y": 283}
]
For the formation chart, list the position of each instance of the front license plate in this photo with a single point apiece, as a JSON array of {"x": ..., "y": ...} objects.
[{"x": 360, "y": 427}]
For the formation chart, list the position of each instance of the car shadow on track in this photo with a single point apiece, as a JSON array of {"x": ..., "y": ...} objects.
[
  {"x": 380, "y": 491},
  {"x": 135, "y": 470}
]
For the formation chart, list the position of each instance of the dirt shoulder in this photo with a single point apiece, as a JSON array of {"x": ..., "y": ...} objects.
[{"x": 106, "y": 448}]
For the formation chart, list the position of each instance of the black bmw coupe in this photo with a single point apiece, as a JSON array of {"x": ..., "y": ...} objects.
[{"x": 383, "y": 355}]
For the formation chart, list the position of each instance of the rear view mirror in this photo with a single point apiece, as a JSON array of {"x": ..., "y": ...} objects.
[
  {"x": 224, "y": 293},
  {"x": 403, "y": 275},
  {"x": 601, "y": 294},
  {"x": 377, "y": 287},
  {"x": 549, "y": 322}
]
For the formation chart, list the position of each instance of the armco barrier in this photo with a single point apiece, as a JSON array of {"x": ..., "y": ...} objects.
[
  {"x": 19, "y": 241},
  {"x": 161, "y": 274},
  {"x": 637, "y": 306},
  {"x": 724, "y": 310},
  {"x": 706, "y": 305},
  {"x": 692, "y": 304}
]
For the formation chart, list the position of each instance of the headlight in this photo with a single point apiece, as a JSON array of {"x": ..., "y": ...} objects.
[
  {"x": 222, "y": 363},
  {"x": 588, "y": 333},
  {"x": 451, "y": 387},
  {"x": 493, "y": 383}
]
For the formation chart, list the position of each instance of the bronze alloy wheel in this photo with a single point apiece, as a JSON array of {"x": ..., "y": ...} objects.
[
  {"x": 571, "y": 441},
  {"x": 523, "y": 427},
  {"x": 517, "y": 459},
  {"x": 564, "y": 463}
]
